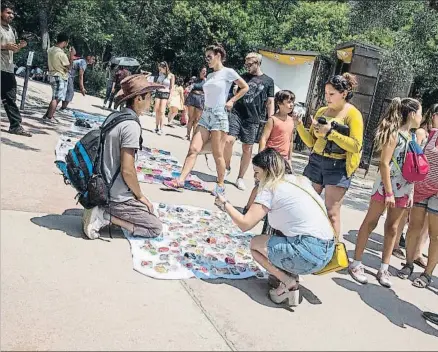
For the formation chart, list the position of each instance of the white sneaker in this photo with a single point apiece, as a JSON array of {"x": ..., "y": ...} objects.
[
  {"x": 160, "y": 132},
  {"x": 358, "y": 273},
  {"x": 93, "y": 221},
  {"x": 240, "y": 184}
]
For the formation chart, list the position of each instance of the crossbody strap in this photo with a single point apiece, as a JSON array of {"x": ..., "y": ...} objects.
[{"x": 336, "y": 237}]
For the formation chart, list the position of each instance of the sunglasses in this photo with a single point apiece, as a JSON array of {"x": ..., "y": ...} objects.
[{"x": 249, "y": 64}]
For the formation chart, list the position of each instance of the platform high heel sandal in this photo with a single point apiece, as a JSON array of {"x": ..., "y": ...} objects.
[{"x": 291, "y": 296}]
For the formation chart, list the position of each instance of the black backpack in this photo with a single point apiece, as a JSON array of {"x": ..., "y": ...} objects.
[{"x": 83, "y": 166}]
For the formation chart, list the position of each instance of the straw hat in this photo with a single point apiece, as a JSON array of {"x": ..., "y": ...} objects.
[{"x": 133, "y": 86}]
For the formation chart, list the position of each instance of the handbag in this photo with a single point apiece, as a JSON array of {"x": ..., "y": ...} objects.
[{"x": 339, "y": 260}]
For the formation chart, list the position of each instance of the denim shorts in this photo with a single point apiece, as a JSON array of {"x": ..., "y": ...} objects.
[
  {"x": 300, "y": 255},
  {"x": 326, "y": 171},
  {"x": 430, "y": 204},
  {"x": 215, "y": 119}
]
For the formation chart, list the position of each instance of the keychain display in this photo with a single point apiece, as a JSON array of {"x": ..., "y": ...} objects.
[{"x": 195, "y": 243}]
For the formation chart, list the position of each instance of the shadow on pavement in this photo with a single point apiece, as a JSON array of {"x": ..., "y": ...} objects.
[
  {"x": 386, "y": 302},
  {"x": 18, "y": 145},
  {"x": 208, "y": 178},
  {"x": 70, "y": 222},
  {"x": 257, "y": 290},
  {"x": 375, "y": 241}
]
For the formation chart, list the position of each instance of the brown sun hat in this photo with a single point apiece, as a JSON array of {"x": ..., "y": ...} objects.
[{"x": 132, "y": 86}]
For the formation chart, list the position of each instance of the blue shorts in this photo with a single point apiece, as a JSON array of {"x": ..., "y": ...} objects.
[
  {"x": 326, "y": 171},
  {"x": 300, "y": 255},
  {"x": 70, "y": 91},
  {"x": 430, "y": 204},
  {"x": 215, "y": 119}
]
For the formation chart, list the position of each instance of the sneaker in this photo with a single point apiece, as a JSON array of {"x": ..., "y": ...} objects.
[
  {"x": 93, "y": 221},
  {"x": 156, "y": 130},
  {"x": 160, "y": 132},
  {"x": 383, "y": 278},
  {"x": 219, "y": 190},
  {"x": 240, "y": 184},
  {"x": 19, "y": 131},
  {"x": 358, "y": 273}
]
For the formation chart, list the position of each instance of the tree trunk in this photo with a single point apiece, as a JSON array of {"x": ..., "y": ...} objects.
[{"x": 44, "y": 27}]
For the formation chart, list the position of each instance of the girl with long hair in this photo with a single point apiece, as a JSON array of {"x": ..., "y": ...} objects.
[
  {"x": 167, "y": 79},
  {"x": 391, "y": 191}
]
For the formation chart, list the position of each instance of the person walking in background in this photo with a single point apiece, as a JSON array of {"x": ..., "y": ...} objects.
[
  {"x": 425, "y": 210},
  {"x": 119, "y": 76},
  {"x": 335, "y": 138},
  {"x": 59, "y": 64},
  {"x": 8, "y": 39},
  {"x": 195, "y": 102},
  {"x": 214, "y": 121},
  {"x": 248, "y": 113},
  {"x": 78, "y": 67},
  {"x": 176, "y": 101},
  {"x": 167, "y": 79},
  {"x": 391, "y": 191},
  {"x": 110, "y": 73}
]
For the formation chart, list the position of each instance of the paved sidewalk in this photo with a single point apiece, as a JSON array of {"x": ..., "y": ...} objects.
[{"x": 62, "y": 292}]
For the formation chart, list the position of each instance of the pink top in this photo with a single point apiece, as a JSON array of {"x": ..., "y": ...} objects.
[
  {"x": 281, "y": 136},
  {"x": 429, "y": 186}
]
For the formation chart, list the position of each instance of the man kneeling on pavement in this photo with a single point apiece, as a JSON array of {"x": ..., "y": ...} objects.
[{"x": 129, "y": 208}]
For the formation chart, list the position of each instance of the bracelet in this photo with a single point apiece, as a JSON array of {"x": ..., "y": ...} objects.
[
  {"x": 328, "y": 133},
  {"x": 387, "y": 195}
]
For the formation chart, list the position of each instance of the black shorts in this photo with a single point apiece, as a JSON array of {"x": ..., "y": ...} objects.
[
  {"x": 246, "y": 132},
  {"x": 162, "y": 95},
  {"x": 195, "y": 100},
  {"x": 326, "y": 171}
]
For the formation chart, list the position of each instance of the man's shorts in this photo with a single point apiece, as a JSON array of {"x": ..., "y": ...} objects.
[
  {"x": 430, "y": 204},
  {"x": 215, "y": 119},
  {"x": 70, "y": 92},
  {"x": 59, "y": 87},
  {"x": 246, "y": 132}
]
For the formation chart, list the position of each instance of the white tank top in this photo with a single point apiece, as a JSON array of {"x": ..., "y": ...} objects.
[{"x": 165, "y": 81}]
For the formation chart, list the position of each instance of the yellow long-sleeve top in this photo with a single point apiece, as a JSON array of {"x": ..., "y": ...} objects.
[{"x": 352, "y": 144}]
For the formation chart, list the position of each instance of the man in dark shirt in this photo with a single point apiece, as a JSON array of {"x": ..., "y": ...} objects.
[
  {"x": 121, "y": 73},
  {"x": 249, "y": 113}
]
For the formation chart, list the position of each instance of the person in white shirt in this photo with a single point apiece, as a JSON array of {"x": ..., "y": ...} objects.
[
  {"x": 295, "y": 210},
  {"x": 214, "y": 120}
]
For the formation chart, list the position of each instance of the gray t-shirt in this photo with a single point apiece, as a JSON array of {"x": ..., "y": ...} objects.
[
  {"x": 125, "y": 135},
  {"x": 7, "y": 35}
]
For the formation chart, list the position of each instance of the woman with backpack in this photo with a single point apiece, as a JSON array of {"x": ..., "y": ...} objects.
[
  {"x": 391, "y": 190},
  {"x": 425, "y": 209}
]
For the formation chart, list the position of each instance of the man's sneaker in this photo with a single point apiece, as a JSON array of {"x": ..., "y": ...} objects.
[
  {"x": 93, "y": 221},
  {"x": 358, "y": 273},
  {"x": 219, "y": 190},
  {"x": 20, "y": 132},
  {"x": 240, "y": 184},
  {"x": 383, "y": 276}
]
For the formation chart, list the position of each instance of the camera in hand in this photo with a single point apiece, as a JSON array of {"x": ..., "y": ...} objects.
[{"x": 332, "y": 147}]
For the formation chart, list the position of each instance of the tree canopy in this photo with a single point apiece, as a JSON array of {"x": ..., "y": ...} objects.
[{"x": 178, "y": 30}]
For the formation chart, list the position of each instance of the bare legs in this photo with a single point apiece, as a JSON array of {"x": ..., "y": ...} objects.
[
  {"x": 218, "y": 139},
  {"x": 194, "y": 116},
  {"x": 160, "y": 110},
  {"x": 52, "y": 108},
  {"x": 228, "y": 151},
  {"x": 200, "y": 137},
  {"x": 259, "y": 252},
  {"x": 245, "y": 160},
  {"x": 172, "y": 113}
]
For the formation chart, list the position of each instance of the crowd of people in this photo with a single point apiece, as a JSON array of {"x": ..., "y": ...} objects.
[{"x": 223, "y": 106}]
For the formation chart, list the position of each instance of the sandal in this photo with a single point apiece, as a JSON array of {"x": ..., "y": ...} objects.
[
  {"x": 423, "y": 281},
  {"x": 405, "y": 271},
  {"x": 174, "y": 184},
  {"x": 398, "y": 253},
  {"x": 273, "y": 282},
  {"x": 432, "y": 317},
  {"x": 421, "y": 262},
  {"x": 291, "y": 295}
]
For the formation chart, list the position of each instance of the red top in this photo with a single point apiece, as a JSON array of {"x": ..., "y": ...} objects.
[
  {"x": 281, "y": 136},
  {"x": 429, "y": 186}
]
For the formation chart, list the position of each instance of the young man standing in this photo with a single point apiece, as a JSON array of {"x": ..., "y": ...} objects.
[
  {"x": 121, "y": 73},
  {"x": 78, "y": 67},
  {"x": 59, "y": 65},
  {"x": 248, "y": 113},
  {"x": 128, "y": 208},
  {"x": 8, "y": 82}
]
